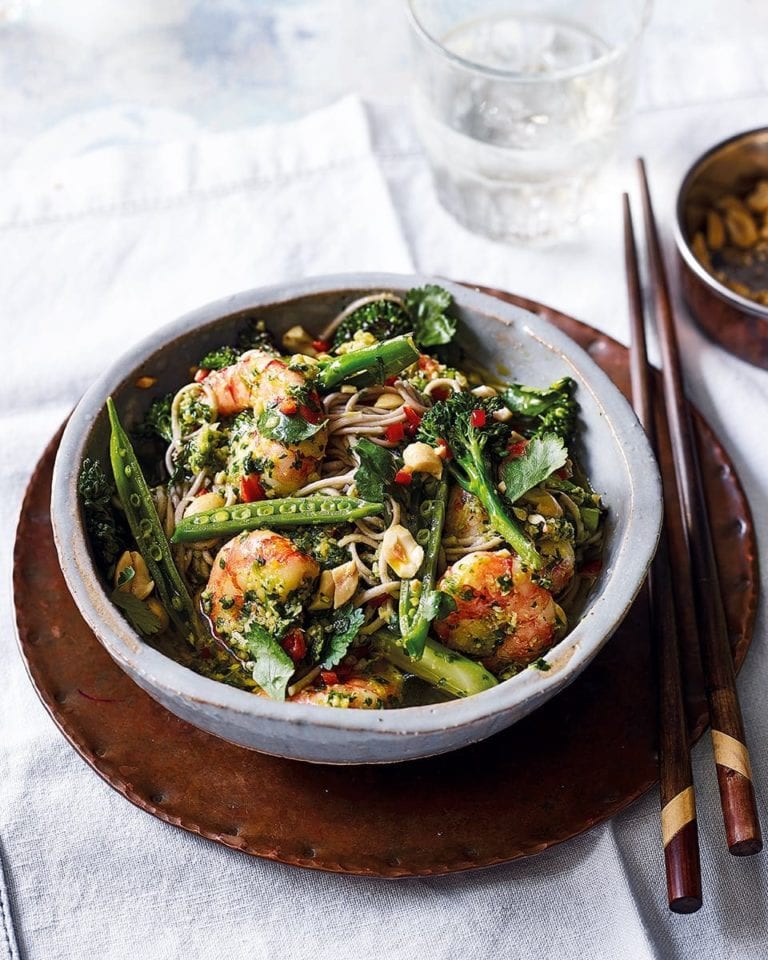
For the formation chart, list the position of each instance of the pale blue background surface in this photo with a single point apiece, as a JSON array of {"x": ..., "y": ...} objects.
[{"x": 172, "y": 65}]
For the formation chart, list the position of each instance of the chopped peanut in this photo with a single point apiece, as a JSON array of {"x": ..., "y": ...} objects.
[
  {"x": 401, "y": 552},
  {"x": 323, "y": 598},
  {"x": 421, "y": 458},
  {"x": 140, "y": 584}
]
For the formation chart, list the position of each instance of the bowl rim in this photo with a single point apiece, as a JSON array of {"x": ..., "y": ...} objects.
[
  {"x": 176, "y": 682},
  {"x": 744, "y": 304}
]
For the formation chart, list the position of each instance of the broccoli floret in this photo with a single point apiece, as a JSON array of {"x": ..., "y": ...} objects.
[
  {"x": 219, "y": 358},
  {"x": 255, "y": 336},
  {"x": 468, "y": 426},
  {"x": 321, "y": 543},
  {"x": 381, "y": 318},
  {"x": 547, "y": 410},
  {"x": 424, "y": 313},
  {"x": 193, "y": 412},
  {"x": 208, "y": 449},
  {"x": 104, "y": 527},
  {"x": 157, "y": 421}
]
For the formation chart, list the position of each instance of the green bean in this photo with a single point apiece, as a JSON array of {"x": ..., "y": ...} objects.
[
  {"x": 439, "y": 666},
  {"x": 370, "y": 365},
  {"x": 418, "y": 599},
  {"x": 272, "y": 514},
  {"x": 148, "y": 531}
]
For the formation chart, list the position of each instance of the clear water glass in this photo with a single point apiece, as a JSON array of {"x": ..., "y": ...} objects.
[{"x": 520, "y": 104}]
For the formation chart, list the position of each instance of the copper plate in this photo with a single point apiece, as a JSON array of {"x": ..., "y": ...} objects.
[{"x": 425, "y": 817}]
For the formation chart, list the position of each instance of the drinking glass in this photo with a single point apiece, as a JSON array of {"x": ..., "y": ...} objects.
[{"x": 519, "y": 104}]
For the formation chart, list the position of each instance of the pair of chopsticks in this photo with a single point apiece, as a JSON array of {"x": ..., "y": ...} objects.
[{"x": 685, "y": 505}]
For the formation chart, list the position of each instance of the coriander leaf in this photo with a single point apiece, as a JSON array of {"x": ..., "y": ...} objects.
[
  {"x": 543, "y": 410},
  {"x": 272, "y": 667},
  {"x": 435, "y": 605},
  {"x": 341, "y": 628},
  {"x": 376, "y": 471},
  {"x": 543, "y": 455},
  {"x": 219, "y": 358},
  {"x": 427, "y": 306},
  {"x": 278, "y": 426},
  {"x": 138, "y": 613},
  {"x": 126, "y": 575}
]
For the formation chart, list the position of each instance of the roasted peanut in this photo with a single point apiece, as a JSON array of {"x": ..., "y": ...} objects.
[
  {"x": 389, "y": 401},
  {"x": 730, "y": 201},
  {"x": 345, "y": 580},
  {"x": 421, "y": 458},
  {"x": 297, "y": 340},
  {"x": 741, "y": 227},
  {"x": 758, "y": 199},
  {"x": 206, "y": 501},
  {"x": 740, "y": 288},
  {"x": 700, "y": 250},
  {"x": 715, "y": 230},
  {"x": 323, "y": 598},
  {"x": 401, "y": 552},
  {"x": 140, "y": 584}
]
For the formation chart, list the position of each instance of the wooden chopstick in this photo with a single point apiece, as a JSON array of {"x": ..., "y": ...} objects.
[
  {"x": 734, "y": 772},
  {"x": 678, "y": 805}
]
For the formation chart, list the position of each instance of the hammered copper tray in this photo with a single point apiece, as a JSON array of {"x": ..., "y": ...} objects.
[{"x": 538, "y": 783}]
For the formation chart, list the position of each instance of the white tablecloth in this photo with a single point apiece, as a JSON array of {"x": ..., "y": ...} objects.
[{"x": 100, "y": 249}]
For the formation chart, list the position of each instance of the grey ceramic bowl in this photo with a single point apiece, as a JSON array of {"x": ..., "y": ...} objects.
[{"x": 615, "y": 452}]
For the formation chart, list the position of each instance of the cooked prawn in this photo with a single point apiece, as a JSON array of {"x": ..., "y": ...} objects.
[
  {"x": 374, "y": 686},
  {"x": 258, "y": 576},
  {"x": 465, "y": 516},
  {"x": 258, "y": 382},
  {"x": 560, "y": 564},
  {"x": 502, "y": 617}
]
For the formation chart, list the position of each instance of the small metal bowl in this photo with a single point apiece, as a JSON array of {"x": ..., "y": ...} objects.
[{"x": 735, "y": 322}]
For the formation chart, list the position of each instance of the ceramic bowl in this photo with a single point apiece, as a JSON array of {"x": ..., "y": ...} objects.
[
  {"x": 735, "y": 322},
  {"x": 502, "y": 337}
]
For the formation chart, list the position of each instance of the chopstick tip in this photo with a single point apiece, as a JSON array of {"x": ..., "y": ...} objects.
[{"x": 685, "y": 904}]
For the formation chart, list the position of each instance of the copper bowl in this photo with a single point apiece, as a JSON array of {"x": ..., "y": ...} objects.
[{"x": 735, "y": 322}]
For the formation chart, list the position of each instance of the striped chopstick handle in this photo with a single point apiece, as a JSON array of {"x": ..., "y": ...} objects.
[
  {"x": 737, "y": 794},
  {"x": 680, "y": 835},
  {"x": 677, "y": 814}
]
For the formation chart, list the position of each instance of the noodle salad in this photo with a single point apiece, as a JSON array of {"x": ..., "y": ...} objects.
[{"x": 351, "y": 518}]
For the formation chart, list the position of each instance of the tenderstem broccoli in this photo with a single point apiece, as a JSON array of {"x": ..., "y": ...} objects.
[
  {"x": 467, "y": 426},
  {"x": 439, "y": 666}
]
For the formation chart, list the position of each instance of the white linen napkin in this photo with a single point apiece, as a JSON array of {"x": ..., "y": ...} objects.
[{"x": 113, "y": 241}]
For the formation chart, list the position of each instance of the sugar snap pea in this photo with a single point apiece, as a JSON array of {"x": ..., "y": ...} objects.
[
  {"x": 148, "y": 531},
  {"x": 370, "y": 365},
  {"x": 419, "y": 601},
  {"x": 272, "y": 514}
]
